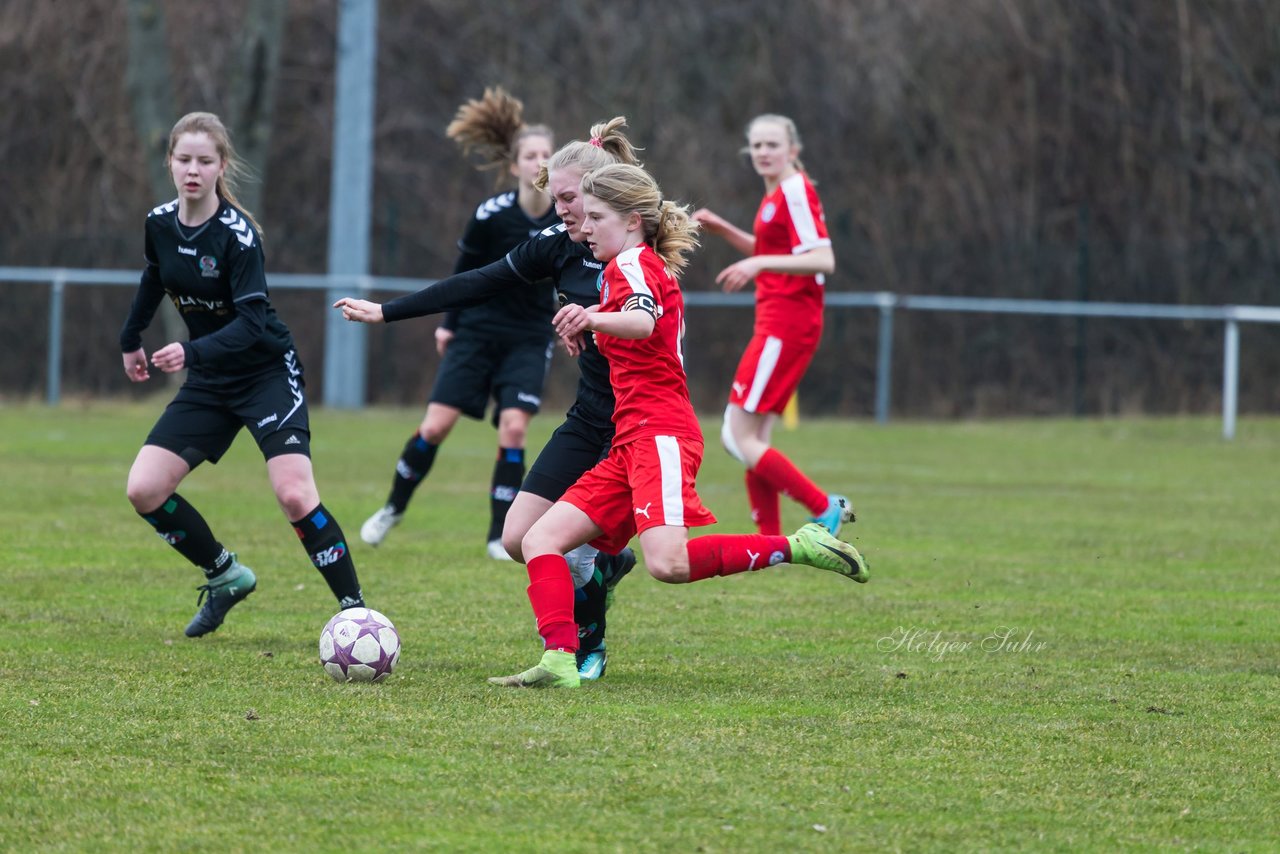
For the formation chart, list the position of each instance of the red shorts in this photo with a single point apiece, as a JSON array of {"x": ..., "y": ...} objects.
[
  {"x": 641, "y": 485},
  {"x": 769, "y": 372}
]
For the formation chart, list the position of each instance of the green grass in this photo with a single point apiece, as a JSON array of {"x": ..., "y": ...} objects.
[{"x": 1133, "y": 564}]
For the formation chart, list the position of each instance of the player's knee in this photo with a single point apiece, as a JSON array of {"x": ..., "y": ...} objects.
[
  {"x": 296, "y": 499},
  {"x": 730, "y": 442},
  {"x": 144, "y": 496},
  {"x": 669, "y": 569},
  {"x": 536, "y": 541},
  {"x": 512, "y": 542},
  {"x": 434, "y": 433}
]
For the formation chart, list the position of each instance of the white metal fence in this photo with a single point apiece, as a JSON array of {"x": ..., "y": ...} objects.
[{"x": 887, "y": 303}]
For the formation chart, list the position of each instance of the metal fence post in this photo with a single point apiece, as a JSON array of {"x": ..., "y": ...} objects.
[
  {"x": 1230, "y": 378},
  {"x": 884, "y": 358},
  {"x": 53, "y": 381},
  {"x": 345, "y": 351}
]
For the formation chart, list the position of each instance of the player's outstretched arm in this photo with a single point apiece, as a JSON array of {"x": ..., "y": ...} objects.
[
  {"x": 359, "y": 310},
  {"x": 713, "y": 223}
]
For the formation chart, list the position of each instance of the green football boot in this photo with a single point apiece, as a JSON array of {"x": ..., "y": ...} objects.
[
  {"x": 556, "y": 670},
  {"x": 813, "y": 545},
  {"x": 219, "y": 595}
]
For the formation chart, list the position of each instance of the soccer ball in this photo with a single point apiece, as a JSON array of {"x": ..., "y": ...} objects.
[{"x": 359, "y": 645}]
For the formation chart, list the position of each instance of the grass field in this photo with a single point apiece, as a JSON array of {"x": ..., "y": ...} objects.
[{"x": 1071, "y": 641}]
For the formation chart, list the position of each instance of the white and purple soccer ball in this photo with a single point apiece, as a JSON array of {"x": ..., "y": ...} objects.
[{"x": 359, "y": 645}]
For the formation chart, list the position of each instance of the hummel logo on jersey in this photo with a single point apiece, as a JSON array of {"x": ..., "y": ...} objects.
[
  {"x": 594, "y": 265},
  {"x": 644, "y": 511},
  {"x": 186, "y": 250},
  {"x": 292, "y": 440},
  {"x": 329, "y": 556},
  {"x": 238, "y": 224},
  {"x": 496, "y": 205},
  {"x": 272, "y": 417}
]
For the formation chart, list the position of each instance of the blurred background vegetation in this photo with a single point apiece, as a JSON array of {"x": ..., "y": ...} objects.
[{"x": 1118, "y": 150}]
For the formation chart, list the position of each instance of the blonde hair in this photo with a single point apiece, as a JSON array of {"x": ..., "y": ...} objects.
[
  {"x": 234, "y": 170},
  {"x": 607, "y": 145},
  {"x": 793, "y": 135},
  {"x": 628, "y": 189},
  {"x": 494, "y": 126}
]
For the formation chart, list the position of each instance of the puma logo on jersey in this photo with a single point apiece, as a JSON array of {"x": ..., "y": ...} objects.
[{"x": 644, "y": 511}]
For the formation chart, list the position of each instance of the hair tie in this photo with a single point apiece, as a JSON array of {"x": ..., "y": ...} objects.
[{"x": 595, "y": 140}]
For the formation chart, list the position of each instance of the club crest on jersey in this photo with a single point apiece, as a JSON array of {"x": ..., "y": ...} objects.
[
  {"x": 209, "y": 267},
  {"x": 767, "y": 213},
  {"x": 603, "y": 288}
]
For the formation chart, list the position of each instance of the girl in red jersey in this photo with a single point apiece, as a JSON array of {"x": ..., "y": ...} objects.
[
  {"x": 789, "y": 253},
  {"x": 645, "y": 485}
]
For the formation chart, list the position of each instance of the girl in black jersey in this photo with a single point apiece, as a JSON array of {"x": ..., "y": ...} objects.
[
  {"x": 501, "y": 348},
  {"x": 204, "y": 252},
  {"x": 584, "y": 438}
]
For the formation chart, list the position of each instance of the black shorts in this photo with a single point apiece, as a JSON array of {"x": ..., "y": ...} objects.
[
  {"x": 201, "y": 422},
  {"x": 476, "y": 368},
  {"x": 577, "y": 445}
]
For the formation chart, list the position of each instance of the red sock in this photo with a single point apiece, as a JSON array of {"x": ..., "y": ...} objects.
[
  {"x": 781, "y": 474},
  {"x": 763, "y": 499},
  {"x": 727, "y": 554},
  {"x": 551, "y": 595}
]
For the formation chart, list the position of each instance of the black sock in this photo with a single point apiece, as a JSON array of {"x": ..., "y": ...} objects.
[
  {"x": 324, "y": 543},
  {"x": 588, "y": 610},
  {"x": 181, "y": 526},
  {"x": 508, "y": 474},
  {"x": 414, "y": 464}
]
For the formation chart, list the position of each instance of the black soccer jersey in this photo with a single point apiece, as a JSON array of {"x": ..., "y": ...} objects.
[
  {"x": 214, "y": 274},
  {"x": 497, "y": 225},
  {"x": 550, "y": 255}
]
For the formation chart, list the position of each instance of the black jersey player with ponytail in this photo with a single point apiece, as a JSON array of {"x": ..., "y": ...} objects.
[
  {"x": 501, "y": 348},
  {"x": 204, "y": 252}
]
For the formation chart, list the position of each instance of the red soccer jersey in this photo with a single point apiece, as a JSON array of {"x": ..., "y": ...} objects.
[
  {"x": 647, "y": 374},
  {"x": 789, "y": 222}
]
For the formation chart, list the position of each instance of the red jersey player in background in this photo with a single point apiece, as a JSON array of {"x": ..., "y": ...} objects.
[
  {"x": 645, "y": 485},
  {"x": 789, "y": 253}
]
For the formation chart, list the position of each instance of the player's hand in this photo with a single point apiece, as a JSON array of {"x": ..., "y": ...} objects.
[
  {"x": 170, "y": 358},
  {"x": 443, "y": 337},
  {"x": 738, "y": 275},
  {"x": 572, "y": 320},
  {"x": 360, "y": 310},
  {"x": 709, "y": 220},
  {"x": 135, "y": 366}
]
